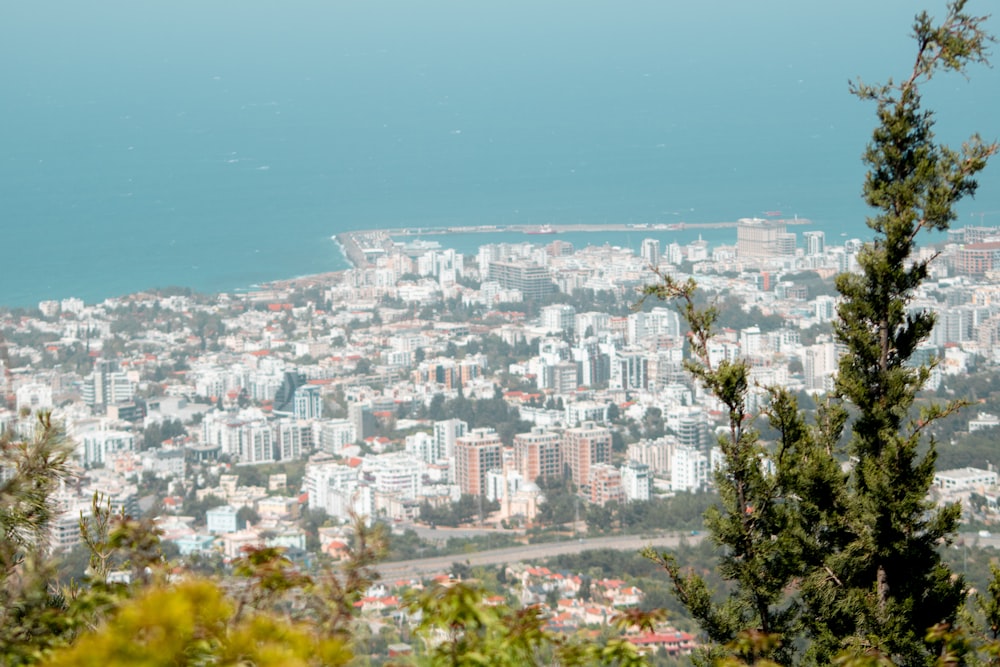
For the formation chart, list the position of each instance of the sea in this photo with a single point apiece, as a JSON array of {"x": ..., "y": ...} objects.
[{"x": 220, "y": 145}]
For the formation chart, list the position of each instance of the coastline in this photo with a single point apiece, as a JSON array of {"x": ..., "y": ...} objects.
[{"x": 361, "y": 247}]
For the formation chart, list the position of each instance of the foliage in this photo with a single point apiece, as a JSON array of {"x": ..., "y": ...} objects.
[
  {"x": 462, "y": 628},
  {"x": 32, "y": 614},
  {"x": 154, "y": 434},
  {"x": 682, "y": 511},
  {"x": 466, "y": 510},
  {"x": 193, "y": 623},
  {"x": 850, "y": 561},
  {"x": 761, "y": 507}
]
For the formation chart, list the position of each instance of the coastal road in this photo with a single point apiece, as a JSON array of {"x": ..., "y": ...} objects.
[{"x": 530, "y": 552}]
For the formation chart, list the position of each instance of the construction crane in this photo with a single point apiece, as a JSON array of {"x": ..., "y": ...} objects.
[{"x": 982, "y": 215}]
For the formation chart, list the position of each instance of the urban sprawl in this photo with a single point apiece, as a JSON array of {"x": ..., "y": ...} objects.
[{"x": 346, "y": 388}]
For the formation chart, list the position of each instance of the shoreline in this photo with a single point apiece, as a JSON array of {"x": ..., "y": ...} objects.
[{"x": 361, "y": 247}]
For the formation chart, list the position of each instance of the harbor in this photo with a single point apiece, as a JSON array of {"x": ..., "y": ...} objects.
[{"x": 363, "y": 248}]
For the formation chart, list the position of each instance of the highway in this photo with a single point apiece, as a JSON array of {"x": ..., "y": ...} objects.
[
  {"x": 536, "y": 552},
  {"x": 530, "y": 552}
]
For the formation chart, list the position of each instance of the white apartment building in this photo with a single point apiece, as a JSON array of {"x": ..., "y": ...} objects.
[
  {"x": 395, "y": 474},
  {"x": 819, "y": 366},
  {"x": 689, "y": 469},
  {"x": 34, "y": 397},
  {"x": 98, "y": 447},
  {"x": 965, "y": 479},
  {"x": 637, "y": 481},
  {"x": 333, "y": 435}
]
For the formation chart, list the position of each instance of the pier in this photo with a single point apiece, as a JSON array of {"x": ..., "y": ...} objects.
[{"x": 363, "y": 248}]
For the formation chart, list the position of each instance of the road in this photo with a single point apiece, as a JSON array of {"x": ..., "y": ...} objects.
[{"x": 530, "y": 552}]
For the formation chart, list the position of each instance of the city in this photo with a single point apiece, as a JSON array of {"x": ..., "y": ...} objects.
[{"x": 421, "y": 380}]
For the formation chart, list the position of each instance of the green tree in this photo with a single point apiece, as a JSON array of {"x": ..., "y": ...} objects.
[
  {"x": 889, "y": 584},
  {"x": 763, "y": 509},
  {"x": 850, "y": 561}
]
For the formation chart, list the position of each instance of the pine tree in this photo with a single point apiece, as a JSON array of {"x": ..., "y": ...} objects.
[
  {"x": 768, "y": 499},
  {"x": 825, "y": 563},
  {"x": 886, "y": 584}
]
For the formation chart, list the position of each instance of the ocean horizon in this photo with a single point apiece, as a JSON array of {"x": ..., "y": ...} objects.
[{"x": 220, "y": 145}]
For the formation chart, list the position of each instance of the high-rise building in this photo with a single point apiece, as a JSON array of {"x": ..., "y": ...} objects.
[
  {"x": 559, "y": 318},
  {"x": 284, "y": 398},
  {"x": 476, "y": 453},
  {"x": 362, "y": 417},
  {"x": 333, "y": 435},
  {"x": 583, "y": 447},
  {"x": 636, "y": 481},
  {"x": 562, "y": 377},
  {"x": 537, "y": 454},
  {"x": 107, "y": 385},
  {"x": 631, "y": 370},
  {"x": 819, "y": 365},
  {"x": 815, "y": 243},
  {"x": 307, "y": 403},
  {"x": 689, "y": 469},
  {"x": 446, "y": 432},
  {"x": 530, "y": 279},
  {"x": 97, "y": 447},
  {"x": 655, "y": 455},
  {"x": 651, "y": 252},
  {"x": 763, "y": 239},
  {"x": 294, "y": 439},
  {"x": 604, "y": 485}
]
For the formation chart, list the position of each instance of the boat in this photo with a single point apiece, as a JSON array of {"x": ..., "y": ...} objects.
[{"x": 544, "y": 229}]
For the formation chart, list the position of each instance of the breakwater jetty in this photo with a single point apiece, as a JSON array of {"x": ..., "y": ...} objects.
[{"x": 363, "y": 248}]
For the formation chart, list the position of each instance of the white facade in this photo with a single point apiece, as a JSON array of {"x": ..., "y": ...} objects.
[
  {"x": 445, "y": 434},
  {"x": 97, "y": 447},
  {"x": 636, "y": 481},
  {"x": 34, "y": 397},
  {"x": 395, "y": 474},
  {"x": 221, "y": 520},
  {"x": 689, "y": 469},
  {"x": 819, "y": 366},
  {"x": 965, "y": 479},
  {"x": 333, "y": 435}
]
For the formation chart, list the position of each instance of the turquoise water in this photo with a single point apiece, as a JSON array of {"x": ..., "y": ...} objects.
[{"x": 218, "y": 145}]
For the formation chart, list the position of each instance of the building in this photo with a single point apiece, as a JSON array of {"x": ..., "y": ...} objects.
[
  {"x": 446, "y": 433},
  {"x": 584, "y": 447},
  {"x": 604, "y": 485},
  {"x": 655, "y": 455},
  {"x": 631, "y": 370},
  {"x": 362, "y": 417},
  {"x": 34, "y": 397},
  {"x": 562, "y": 377},
  {"x": 965, "y": 479},
  {"x": 530, "y": 279},
  {"x": 98, "y": 447},
  {"x": 107, "y": 385},
  {"x": 294, "y": 438},
  {"x": 537, "y": 454},
  {"x": 819, "y": 366},
  {"x": 307, "y": 403},
  {"x": 636, "y": 481},
  {"x": 333, "y": 435},
  {"x": 221, "y": 520},
  {"x": 815, "y": 243},
  {"x": 558, "y": 318},
  {"x": 763, "y": 239},
  {"x": 650, "y": 251},
  {"x": 689, "y": 469},
  {"x": 476, "y": 453},
  {"x": 284, "y": 397},
  {"x": 976, "y": 259}
]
